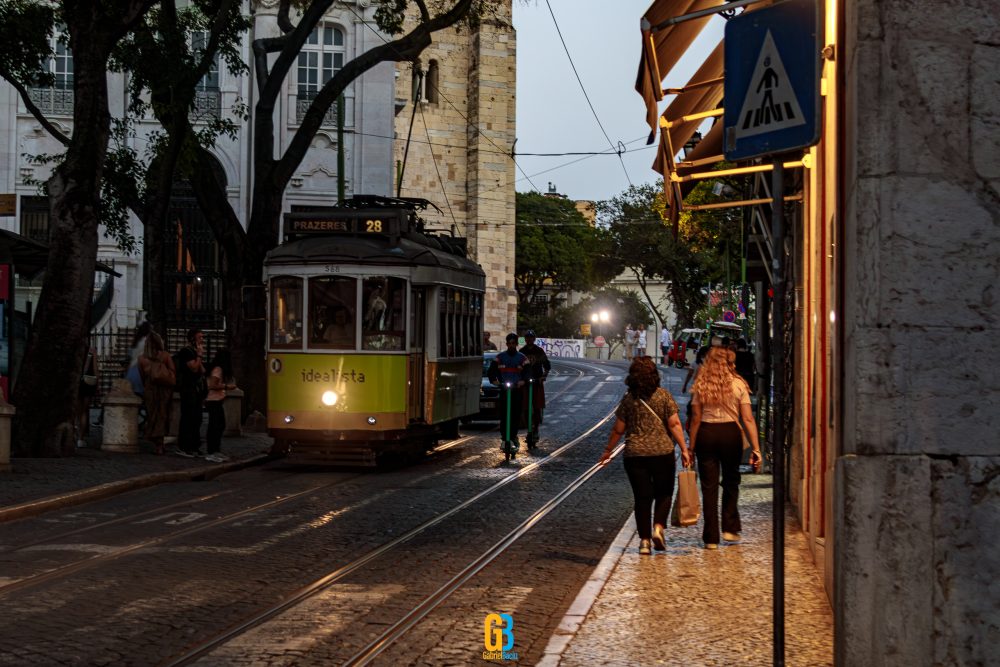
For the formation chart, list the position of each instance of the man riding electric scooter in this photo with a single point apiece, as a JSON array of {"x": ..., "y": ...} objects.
[
  {"x": 509, "y": 370},
  {"x": 534, "y": 399}
]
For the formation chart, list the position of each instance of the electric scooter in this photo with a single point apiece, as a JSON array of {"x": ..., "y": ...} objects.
[{"x": 510, "y": 444}]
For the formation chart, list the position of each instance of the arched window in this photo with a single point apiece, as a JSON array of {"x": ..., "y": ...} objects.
[
  {"x": 431, "y": 83},
  {"x": 58, "y": 98},
  {"x": 321, "y": 57}
]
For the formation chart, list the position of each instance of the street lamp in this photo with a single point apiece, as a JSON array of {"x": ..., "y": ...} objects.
[{"x": 600, "y": 318}]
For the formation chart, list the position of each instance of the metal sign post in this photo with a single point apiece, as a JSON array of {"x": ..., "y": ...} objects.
[
  {"x": 772, "y": 106},
  {"x": 778, "y": 447}
]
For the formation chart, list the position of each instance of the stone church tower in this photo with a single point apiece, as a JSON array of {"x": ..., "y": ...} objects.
[{"x": 461, "y": 132}]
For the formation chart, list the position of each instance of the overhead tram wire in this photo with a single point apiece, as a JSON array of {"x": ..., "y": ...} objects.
[
  {"x": 468, "y": 123},
  {"x": 586, "y": 96}
]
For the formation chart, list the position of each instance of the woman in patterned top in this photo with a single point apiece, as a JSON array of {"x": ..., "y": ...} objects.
[
  {"x": 719, "y": 399},
  {"x": 648, "y": 414}
]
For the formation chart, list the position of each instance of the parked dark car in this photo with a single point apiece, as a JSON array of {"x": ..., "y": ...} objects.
[{"x": 489, "y": 395}]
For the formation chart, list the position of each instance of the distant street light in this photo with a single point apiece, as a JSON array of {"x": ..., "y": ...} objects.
[{"x": 600, "y": 318}]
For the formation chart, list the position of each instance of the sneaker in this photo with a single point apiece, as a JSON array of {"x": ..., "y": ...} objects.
[
  {"x": 659, "y": 541},
  {"x": 711, "y": 545},
  {"x": 644, "y": 549},
  {"x": 214, "y": 458},
  {"x": 222, "y": 457},
  {"x": 185, "y": 454},
  {"x": 731, "y": 537}
]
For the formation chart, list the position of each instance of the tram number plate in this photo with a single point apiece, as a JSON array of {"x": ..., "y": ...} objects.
[
  {"x": 489, "y": 404},
  {"x": 331, "y": 268}
]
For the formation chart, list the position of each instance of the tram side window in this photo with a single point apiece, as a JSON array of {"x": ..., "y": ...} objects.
[
  {"x": 383, "y": 323},
  {"x": 286, "y": 313},
  {"x": 332, "y": 309}
]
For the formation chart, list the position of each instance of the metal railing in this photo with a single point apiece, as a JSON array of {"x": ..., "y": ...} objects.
[{"x": 56, "y": 101}]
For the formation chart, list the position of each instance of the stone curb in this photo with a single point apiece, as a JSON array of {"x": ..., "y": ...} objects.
[
  {"x": 36, "y": 507},
  {"x": 585, "y": 599}
]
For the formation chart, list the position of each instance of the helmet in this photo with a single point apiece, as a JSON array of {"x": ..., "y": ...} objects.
[
  {"x": 529, "y": 334},
  {"x": 511, "y": 337}
]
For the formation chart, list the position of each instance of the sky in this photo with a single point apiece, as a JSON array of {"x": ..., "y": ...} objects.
[{"x": 604, "y": 42}]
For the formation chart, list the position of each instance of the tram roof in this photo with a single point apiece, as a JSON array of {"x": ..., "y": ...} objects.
[{"x": 368, "y": 250}]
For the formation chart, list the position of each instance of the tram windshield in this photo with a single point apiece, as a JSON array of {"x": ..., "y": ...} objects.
[
  {"x": 286, "y": 313},
  {"x": 332, "y": 321},
  {"x": 383, "y": 309}
]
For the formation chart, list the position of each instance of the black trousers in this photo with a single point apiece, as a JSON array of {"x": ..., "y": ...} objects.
[
  {"x": 216, "y": 426},
  {"x": 516, "y": 399},
  {"x": 189, "y": 435},
  {"x": 719, "y": 446},
  {"x": 652, "y": 480}
]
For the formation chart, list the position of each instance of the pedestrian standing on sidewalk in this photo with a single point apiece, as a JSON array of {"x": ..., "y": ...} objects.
[
  {"x": 159, "y": 377},
  {"x": 648, "y": 415},
  {"x": 665, "y": 345},
  {"x": 719, "y": 399},
  {"x": 192, "y": 389},
  {"x": 640, "y": 343},
  {"x": 220, "y": 378},
  {"x": 630, "y": 338}
]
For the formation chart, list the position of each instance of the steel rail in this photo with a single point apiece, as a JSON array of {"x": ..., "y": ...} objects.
[
  {"x": 202, "y": 648},
  {"x": 418, "y": 613}
]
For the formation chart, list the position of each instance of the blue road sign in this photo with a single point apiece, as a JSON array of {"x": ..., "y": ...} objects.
[{"x": 772, "y": 101}]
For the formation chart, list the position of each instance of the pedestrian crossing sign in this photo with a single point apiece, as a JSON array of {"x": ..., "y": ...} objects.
[{"x": 772, "y": 102}]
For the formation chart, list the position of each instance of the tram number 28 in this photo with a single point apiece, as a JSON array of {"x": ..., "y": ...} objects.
[{"x": 373, "y": 226}]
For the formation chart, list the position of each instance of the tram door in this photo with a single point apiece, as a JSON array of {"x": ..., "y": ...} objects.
[{"x": 418, "y": 338}]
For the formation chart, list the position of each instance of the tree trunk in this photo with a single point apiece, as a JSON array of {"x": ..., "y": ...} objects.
[{"x": 48, "y": 383}]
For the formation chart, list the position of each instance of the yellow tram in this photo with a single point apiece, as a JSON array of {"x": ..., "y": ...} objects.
[{"x": 375, "y": 333}]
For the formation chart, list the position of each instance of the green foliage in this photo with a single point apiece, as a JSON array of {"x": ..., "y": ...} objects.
[
  {"x": 624, "y": 307},
  {"x": 27, "y": 26},
  {"x": 706, "y": 249},
  {"x": 556, "y": 249}
]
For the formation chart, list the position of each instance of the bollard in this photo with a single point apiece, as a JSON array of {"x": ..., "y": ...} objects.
[
  {"x": 121, "y": 419},
  {"x": 233, "y": 408},
  {"x": 6, "y": 414}
]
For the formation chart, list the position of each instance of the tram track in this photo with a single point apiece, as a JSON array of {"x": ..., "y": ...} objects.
[
  {"x": 99, "y": 558},
  {"x": 206, "y": 646}
]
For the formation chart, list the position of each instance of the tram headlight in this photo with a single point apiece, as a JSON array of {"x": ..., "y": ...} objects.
[
  {"x": 371, "y": 421},
  {"x": 289, "y": 419},
  {"x": 329, "y": 398}
]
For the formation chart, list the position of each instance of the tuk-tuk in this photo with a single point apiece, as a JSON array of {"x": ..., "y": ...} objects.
[
  {"x": 685, "y": 347},
  {"x": 723, "y": 329}
]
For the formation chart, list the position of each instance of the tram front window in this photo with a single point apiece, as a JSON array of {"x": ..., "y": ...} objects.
[
  {"x": 383, "y": 325},
  {"x": 332, "y": 313},
  {"x": 286, "y": 313}
]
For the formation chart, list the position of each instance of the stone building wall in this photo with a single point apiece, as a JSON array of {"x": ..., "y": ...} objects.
[
  {"x": 469, "y": 123},
  {"x": 918, "y": 481}
]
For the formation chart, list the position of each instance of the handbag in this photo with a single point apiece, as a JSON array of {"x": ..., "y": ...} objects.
[
  {"x": 160, "y": 374},
  {"x": 89, "y": 380},
  {"x": 687, "y": 508}
]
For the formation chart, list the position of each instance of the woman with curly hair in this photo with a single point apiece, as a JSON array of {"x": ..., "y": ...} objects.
[
  {"x": 648, "y": 414},
  {"x": 719, "y": 399}
]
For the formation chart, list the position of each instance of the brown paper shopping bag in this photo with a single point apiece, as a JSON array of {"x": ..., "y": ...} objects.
[{"x": 687, "y": 508}]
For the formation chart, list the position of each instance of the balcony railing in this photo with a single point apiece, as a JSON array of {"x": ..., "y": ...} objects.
[
  {"x": 302, "y": 104},
  {"x": 207, "y": 103},
  {"x": 55, "y": 101}
]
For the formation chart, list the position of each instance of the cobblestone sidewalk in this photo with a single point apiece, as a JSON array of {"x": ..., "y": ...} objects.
[{"x": 691, "y": 606}]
